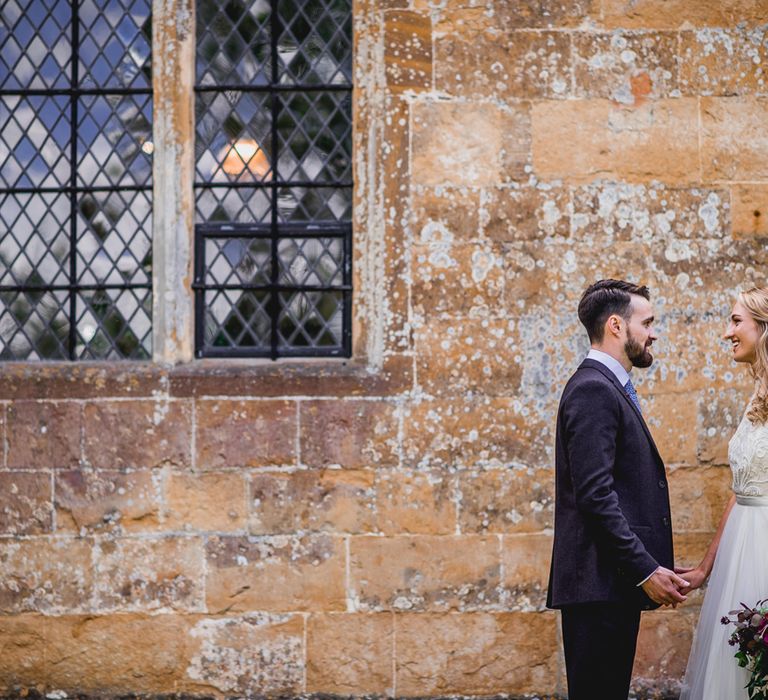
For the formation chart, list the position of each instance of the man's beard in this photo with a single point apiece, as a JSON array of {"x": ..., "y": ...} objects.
[{"x": 637, "y": 353}]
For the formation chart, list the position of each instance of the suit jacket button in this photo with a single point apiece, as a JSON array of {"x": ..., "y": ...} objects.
[
  {"x": 665, "y": 520},
  {"x": 662, "y": 484}
]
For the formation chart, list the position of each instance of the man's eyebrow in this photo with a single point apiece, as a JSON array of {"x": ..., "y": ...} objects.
[{"x": 649, "y": 318}]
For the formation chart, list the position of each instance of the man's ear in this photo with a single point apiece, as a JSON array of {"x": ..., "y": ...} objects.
[{"x": 614, "y": 324}]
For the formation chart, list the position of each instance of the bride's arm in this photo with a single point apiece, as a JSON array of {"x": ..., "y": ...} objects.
[{"x": 699, "y": 574}]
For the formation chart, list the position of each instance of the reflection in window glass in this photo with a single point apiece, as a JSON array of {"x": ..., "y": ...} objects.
[
  {"x": 75, "y": 179},
  {"x": 273, "y": 177}
]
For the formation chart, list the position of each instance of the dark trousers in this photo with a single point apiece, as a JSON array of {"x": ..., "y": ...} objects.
[{"x": 599, "y": 640}]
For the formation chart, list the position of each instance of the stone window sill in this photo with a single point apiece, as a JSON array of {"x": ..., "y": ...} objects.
[{"x": 312, "y": 378}]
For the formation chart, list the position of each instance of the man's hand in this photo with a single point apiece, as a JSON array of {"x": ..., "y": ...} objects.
[
  {"x": 695, "y": 577},
  {"x": 665, "y": 587}
]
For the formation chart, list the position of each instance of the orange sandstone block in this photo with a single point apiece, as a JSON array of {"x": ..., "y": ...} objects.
[
  {"x": 408, "y": 51},
  {"x": 350, "y": 654},
  {"x": 525, "y": 562},
  {"x": 734, "y": 138},
  {"x": 663, "y": 646},
  {"x": 213, "y": 502},
  {"x": 22, "y": 651},
  {"x": 698, "y": 496},
  {"x": 43, "y": 435},
  {"x": 27, "y": 507},
  {"x": 749, "y": 209},
  {"x": 415, "y": 502},
  {"x": 672, "y": 14},
  {"x": 583, "y": 140},
  {"x": 324, "y": 500},
  {"x": 475, "y": 654},
  {"x": 278, "y": 574},
  {"x": 349, "y": 434},
  {"x": 425, "y": 572},
  {"x": 120, "y": 434},
  {"x": 245, "y": 433}
]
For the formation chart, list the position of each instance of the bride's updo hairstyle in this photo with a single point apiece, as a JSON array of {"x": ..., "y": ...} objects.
[{"x": 755, "y": 300}]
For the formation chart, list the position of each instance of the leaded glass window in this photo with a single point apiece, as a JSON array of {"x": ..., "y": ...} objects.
[
  {"x": 75, "y": 179},
  {"x": 273, "y": 178}
]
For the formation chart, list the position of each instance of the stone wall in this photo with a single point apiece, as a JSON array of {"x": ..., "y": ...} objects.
[{"x": 383, "y": 526}]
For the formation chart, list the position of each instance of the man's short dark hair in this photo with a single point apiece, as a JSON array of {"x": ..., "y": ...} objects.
[{"x": 605, "y": 298}]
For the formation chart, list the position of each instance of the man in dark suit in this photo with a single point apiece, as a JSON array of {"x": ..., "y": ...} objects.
[{"x": 612, "y": 555}]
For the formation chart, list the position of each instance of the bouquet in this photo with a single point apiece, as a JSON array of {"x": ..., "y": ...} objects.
[{"x": 751, "y": 638}]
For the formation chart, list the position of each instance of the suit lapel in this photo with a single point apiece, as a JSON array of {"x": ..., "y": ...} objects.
[{"x": 600, "y": 367}]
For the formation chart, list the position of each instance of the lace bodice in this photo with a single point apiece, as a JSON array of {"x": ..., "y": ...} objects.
[{"x": 748, "y": 456}]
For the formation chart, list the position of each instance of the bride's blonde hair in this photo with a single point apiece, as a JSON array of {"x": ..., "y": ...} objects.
[{"x": 755, "y": 300}]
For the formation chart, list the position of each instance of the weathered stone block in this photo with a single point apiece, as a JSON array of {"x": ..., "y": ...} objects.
[
  {"x": 456, "y": 356},
  {"x": 455, "y": 279},
  {"x": 350, "y": 654},
  {"x": 445, "y": 213},
  {"x": 671, "y": 14},
  {"x": 628, "y": 68},
  {"x": 725, "y": 157},
  {"x": 424, "y": 573},
  {"x": 120, "y": 434},
  {"x": 720, "y": 414},
  {"x": 349, "y": 434},
  {"x": 698, "y": 497},
  {"x": 275, "y": 574},
  {"x": 450, "y": 149},
  {"x": 250, "y": 656},
  {"x": 149, "y": 574},
  {"x": 672, "y": 421},
  {"x": 662, "y": 647},
  {"x": 88, "y": 500},
  {"x": 513, "y": 66},
  {"x": 525, "y": 563},
  {"x": 26, "y": 507},
  {"x": 581, "y": 140},
  {"x": 413, "y": 502},
  {"x": 723, "y": 60},
  {"x": 107, "y": 655},
  {"x": 508, "y": 501},
  {"x": 53, "y": 576},
  {"x": 525, "y": 213},
  {"x": 22, "y": 651},
  {"x": 463, "y": 16},
  {"x": 245, "y": 433},
  {"x": 473, "y": 432},
  {"x": 475, "y": 654},
  {"x": 315, "y": 500},
  {"x": 43, "y": 435},
  {"x": 213, "y": 502},
  {"x": 408, "y": 51},
  {"x": 749, "y": 210},
  {"x": 667, "y": 217}
]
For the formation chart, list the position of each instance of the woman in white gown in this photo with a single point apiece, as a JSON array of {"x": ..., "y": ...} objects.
[{"x": 736, "y": 561}]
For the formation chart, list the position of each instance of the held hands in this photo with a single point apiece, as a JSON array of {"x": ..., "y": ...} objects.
[
  {"x": 696, "y": 576},
  {"x": 665, "y": 587}
]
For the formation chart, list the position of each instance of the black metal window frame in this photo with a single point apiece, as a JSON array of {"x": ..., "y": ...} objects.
[
  {"x": 274, "y": 231},
  {"x": 73, "y": 190}
]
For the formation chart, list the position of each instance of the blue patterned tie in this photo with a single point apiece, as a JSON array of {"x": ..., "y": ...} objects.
[{"x": 630, "y": 389}]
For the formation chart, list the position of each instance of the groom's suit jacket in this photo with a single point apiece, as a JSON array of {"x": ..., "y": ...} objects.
[{"x": 612, "y": 518}]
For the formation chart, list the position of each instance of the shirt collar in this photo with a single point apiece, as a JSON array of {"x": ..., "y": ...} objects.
[{"x": 611, "y": 363}]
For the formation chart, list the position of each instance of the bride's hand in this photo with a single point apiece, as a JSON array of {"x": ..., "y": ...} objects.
[{"x": 694, "y": 575}]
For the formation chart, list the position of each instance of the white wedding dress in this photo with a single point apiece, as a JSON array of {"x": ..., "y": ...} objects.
[{"x": 739, "y": 575}]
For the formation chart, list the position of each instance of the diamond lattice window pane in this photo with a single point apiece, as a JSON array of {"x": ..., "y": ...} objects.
[
  {"x": 33, "y": 325},
  {"x": 114, "y": 324},
  {"x": 233, "y": 137},
  {"x": 314, "y": 204},
  {"x": 311, "y": 262},
  {"x": 315, "y": 47},
  {"x": 34, "y": 141},
  {"x": 115, "y": 43},
  {"x": 114, "y": 140},
  {"x": 238, "y": 261},
  {"x": 34, "y": 239},
  {"x": 316, "y": 137},
  {"x": 114, "y": 238},
  {"x": 237, "y": 318},
  {"x": 35, "y": 47},
  {"x": 233, "y": 43},
  {"x": 244, "y": 205},
  {"x": 310, "y": 320}
]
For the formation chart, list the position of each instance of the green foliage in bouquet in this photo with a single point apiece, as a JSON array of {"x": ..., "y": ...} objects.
[{"x": 751, "y": 638}]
